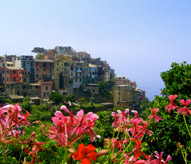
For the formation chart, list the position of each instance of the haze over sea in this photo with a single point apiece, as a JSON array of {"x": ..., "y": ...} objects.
[{"x": 139, "y": 39}]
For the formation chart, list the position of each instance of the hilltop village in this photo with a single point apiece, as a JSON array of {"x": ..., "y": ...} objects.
[{"x": 67, "y": 72}]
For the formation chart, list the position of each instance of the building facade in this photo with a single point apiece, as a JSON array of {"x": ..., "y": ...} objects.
[
  {"x": 44, "y": 70},
  {"x": 123, "y": 95},
  {"x": 26, "y": 62}
]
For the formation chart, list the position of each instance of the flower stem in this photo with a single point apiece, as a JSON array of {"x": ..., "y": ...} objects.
[
  {"x": 65, "y": 155},
  {"x": 186, "y": 126},
  {"x": 4, "y": 154},
  {"x": 184, "y": 157}
]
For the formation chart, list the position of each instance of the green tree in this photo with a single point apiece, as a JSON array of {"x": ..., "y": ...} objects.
[
  {"x": 56, "y": 97},
  {"x": 70, "y": 98},
  {"x": 26, "y": 104},
  {"x": 104, "y": 90},
  {"x": 40, "y": 112},
  {"x": 177, "y": 80},
  {"x": 170, "y": 133},
  {"x": 39, "y": 56},
  {"x": 38, "y": 50}
]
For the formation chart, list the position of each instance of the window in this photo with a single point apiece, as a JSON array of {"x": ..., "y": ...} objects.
[
  {"x": 44, "y": 69},
  {"x": 24, "y": 79},
  {"x": 13, "y": 72},
  {"x": 14, "y": 79},
  {"x": 44, "y": 94},
  {"x": 44, "y": 64},
  {"x": 36, "y": 75},
  {"x": 46, "y": 87},
  {"x": 37, "y": 69},
  {"x": 118, "y": 93}
]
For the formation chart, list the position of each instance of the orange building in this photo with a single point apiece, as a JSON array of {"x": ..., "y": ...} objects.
[{"x": 13, "y": 74}]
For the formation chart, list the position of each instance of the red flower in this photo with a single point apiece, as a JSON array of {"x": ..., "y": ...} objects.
[
  {"x": 85, "y": 154},
  {"x": 172, "y": 105},
  {"x": 157, "y": 118},
  {"x": 137, "y": 150},
  {"x": 185, "y": 109}
]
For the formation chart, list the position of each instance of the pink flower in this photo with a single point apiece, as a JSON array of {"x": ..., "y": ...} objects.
[
  {"x": 157, "y": 118},
  {"x": 68, "y": 129},
  {"x": 160, "y": 158},
  {"x": 120, "y": 118},
  {"x": 172, "y": 105},
  {"x": 185, "y": 109}
]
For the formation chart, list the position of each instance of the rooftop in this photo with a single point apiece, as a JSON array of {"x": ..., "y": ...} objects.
[
  {"x": 16, "y": 97},
  {"x": 44, "y": 60},
  {"x": 14, "y": 68}
]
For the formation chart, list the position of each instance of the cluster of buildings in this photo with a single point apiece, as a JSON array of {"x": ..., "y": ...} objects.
[{"x": 64, "y": 70}]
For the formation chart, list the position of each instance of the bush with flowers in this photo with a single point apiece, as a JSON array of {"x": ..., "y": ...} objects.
[{"x": 125, "y": 146}]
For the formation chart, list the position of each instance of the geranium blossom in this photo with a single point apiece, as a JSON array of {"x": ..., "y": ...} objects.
[
  {"x": 157, "y": 118},
  {"x": 68, "y": 129},
  {"x": 85, "y": 154},
  {"x": 185, "y": 109},
  {"x": 137, "y": 150},
  {"x": 172, "y": 105}
]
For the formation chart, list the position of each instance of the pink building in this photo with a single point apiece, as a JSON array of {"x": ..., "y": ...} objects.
[{"x": 46, "y": 88}]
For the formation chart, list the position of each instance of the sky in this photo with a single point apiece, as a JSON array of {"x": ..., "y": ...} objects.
[{"x": 138, "y": 38}]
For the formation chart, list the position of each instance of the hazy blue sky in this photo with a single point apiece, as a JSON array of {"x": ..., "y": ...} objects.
[{"x": 139, "y": 38}]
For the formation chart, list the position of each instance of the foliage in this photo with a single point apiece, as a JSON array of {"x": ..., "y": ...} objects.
[
  {"x": 105, "y": 90},
  {"x": 3, "y": 95},
  {"x": 39, "y": 56},
  {"x": 25, "y": 105},
  {"x": 71, "y": 134},
  {"x": 69, "y": 98},
  {"x": 170, "y": 133},
  {"x": 177, "y": 80},
  {"x": 38, "y": 50},
  {"x": 56, "y": 97},
  {"x": 40, "y": 112}
]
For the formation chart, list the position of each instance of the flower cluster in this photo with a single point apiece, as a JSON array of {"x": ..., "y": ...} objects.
[
  {"x": 132, "y": 130},
  {"x": 124, "y": 147},
  {"x": 11, "y": 120},
  {"x": 68, "y": 129},
  {"x": 184, "y": 110}
]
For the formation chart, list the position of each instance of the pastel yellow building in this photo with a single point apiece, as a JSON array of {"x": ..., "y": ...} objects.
[
  {"x": 62, "y": 73},
  {"x": 123, "y": 95}
]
